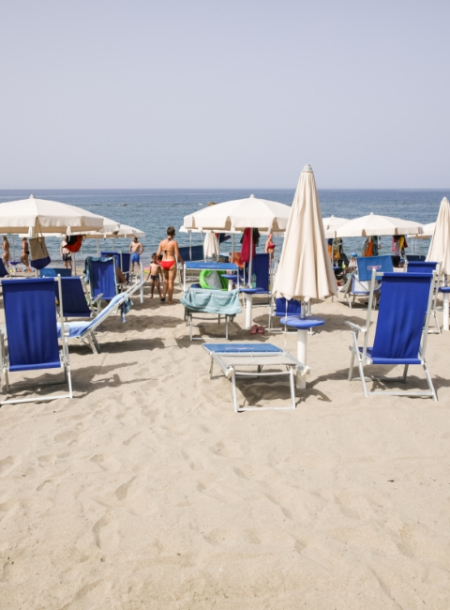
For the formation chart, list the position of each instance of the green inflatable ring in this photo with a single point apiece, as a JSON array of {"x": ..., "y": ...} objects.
[{"x": 203, "y": 280}]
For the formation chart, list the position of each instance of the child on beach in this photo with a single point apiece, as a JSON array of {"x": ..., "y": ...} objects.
[{"x": 154, "y": 273}]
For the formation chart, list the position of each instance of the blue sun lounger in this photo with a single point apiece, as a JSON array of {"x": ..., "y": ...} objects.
[
  {"x": 55, "y": 271},
  {"x": 85, "y": 331},
  {"x": 214, "y": 303},
  {"x": 31, "y": 340},
  {"x": 401, "y": 331},
  {"x": 75, "y": 304},
  {"x": 416, "y": 266},
  {"x": 100, "y": 273},
  {"x": 282, "y": 307},
  {"x": 358, "y": 284},
  {"x": 235, "y": 359}
]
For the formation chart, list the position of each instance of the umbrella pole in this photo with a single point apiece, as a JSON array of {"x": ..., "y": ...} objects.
[
  {"x": 190, "y": 246},
  {"x": 250, "y": 260},
  {"x": 14, "y": 248},
  {"x": 98, "y": 248}
]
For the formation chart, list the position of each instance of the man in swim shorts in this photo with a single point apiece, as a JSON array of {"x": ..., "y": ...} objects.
[{"x": 136, "y": 249}]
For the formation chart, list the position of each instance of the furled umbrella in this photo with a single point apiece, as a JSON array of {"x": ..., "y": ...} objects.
[
  {"x": 211, "y": 246},
  {"x": 439, "y": 249}
]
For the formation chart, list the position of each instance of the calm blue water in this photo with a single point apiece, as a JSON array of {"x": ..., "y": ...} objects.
[{"x": 153, "y": 210}]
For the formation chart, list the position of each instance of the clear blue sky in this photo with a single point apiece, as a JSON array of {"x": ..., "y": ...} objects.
[{"x": 202, "y": 93}]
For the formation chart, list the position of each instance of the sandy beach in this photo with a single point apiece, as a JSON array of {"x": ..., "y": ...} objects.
[{"x": 147, "y": 490}]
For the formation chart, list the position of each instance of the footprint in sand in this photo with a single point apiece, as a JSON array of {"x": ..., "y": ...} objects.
[
  {"x": 122, "y": 491},
  {"x": 6, "y": 464},
  {"x": 66, "y": 437}
]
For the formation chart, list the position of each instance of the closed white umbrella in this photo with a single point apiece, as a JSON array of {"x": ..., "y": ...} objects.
[
  {"x": 305, "y": 270},
  {"x": 36, "y": 216},
  {"x": 439, "y": 249},
  {"x": 374, "y": 224},
  {"x": 241, "y": 214},
  {"x": 211, "y": 246}
]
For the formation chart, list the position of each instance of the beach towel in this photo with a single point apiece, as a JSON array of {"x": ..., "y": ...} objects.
[{"x": 212, "y": 301}]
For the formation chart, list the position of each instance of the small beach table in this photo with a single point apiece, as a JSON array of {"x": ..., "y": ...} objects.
[
  {"x": 200, "y": 265},
  {"x": 302, "y": 325},
  {"x": 445, "y": 309}
]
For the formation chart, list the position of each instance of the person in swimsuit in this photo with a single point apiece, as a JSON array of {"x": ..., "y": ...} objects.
[
  {"x": 136, "y": 249},
  {"x": 25, "y": 253},
  {"x": 270, "y": 246},
  {"x": 170, "y": 253},
  {"x": 153, "y": 273},
  {"x": 6, "y": 253},
  {"x": 66, "y": 254}
]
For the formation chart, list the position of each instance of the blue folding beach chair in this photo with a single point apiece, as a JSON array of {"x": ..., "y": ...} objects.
[
  {"x": 414, "y": 266},
  {"x": 55, "y": 271},
  {"x": 100, "y": 273},
  {"x": 31, "y": 341},
  {"x": 401, "y": 331},
  {"x": 75, "y": 304},
  {"x": 85, "y": 331},
  {"x": 3, "y": 270},
  {"x": 358, "y": 284}
]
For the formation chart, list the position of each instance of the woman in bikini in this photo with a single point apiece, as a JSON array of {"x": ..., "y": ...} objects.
[{"x": 168, "y": 248}]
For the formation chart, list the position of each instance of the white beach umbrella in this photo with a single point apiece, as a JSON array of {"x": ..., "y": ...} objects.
[
  {"x": 37, "y": 216},
  {"x": 305, "y": 270},
  {"x": 333, "y": 222},
  {"x": 373, "y": 224},
  {"x": 241, "y": 214},
  {"x": 211, "y": 245},
  {"x": 122, "y": 231},
  {"x": 428, "y": 229},
  {"x": 439, "y": 249}
]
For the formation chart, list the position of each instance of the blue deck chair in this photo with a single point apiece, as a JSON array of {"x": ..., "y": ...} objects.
[
  {"x": 235, "y": 359},
  {"x": 100, "y": 273},
  {"x": 358, "y": 284},
  {"x": 217, "y": 303},
  {"x": 261, "y": 269},
  {"x": 282, "y": 307},
  {"x": 75, "y": 304},
  {"x": 85, "y": 331},
  {"x": 55, "y": 271},
  {"x": 123, "y": 261},
  {"x": 414, "y": 266},
  {"x": 401, "y": 331},
  {"x": 415, "y": 257},
  {"x": 31, "y": 341}
]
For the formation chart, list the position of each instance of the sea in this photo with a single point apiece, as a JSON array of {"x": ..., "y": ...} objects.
[{"x": 154, "y": 210}]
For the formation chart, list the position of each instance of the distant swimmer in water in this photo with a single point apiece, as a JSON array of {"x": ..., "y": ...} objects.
[{"x": 168, "y": 248}]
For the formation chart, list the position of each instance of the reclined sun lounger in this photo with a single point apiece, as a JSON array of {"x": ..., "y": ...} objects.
[
  {"x": 31, "y": 340},
  {"x": 85, "y": 331},
  {"x": 100, "y": 273},
  {"x": 416, "y": 266},
  {"x": 75, "y": 304},
  {"x": 401, "y": 331},
  {"x": 215, "y": 303},
  {"x": 55, "y": 271},
  {"x": 237, "y": 359},
  {"x": 282, "y": 307}
]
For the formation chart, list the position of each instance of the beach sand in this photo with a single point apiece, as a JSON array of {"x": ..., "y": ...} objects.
[{"x": 148, "y": 491}]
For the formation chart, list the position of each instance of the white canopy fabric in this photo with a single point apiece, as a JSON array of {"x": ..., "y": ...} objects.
[
  {"x": 428, "y": 229},
  {"x": 305, "y": 270},
  {"x": 211, "y": 245},
  {"x": 35, "y": 216},
  {"x": 241, "y": 214},
  {"x": 439, "y": 249},
  {"x": 123, "y": 231},
  {"x": 373, "y": 224},
  {"x": 331, "y": 223}
]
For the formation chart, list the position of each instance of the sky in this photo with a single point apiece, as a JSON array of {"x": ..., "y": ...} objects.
[{"x": 215, "y": 94}]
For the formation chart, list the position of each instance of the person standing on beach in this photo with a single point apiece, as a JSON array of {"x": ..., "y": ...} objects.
[
  {"x": 25, "y": 253},
  {"x": 170, "y": 253},
  {"x": 136, "y": 249},
  {"x": 6, "y": 253},
  {"x": 66, "y": 254},
  {"x": 153, "y": 273}
]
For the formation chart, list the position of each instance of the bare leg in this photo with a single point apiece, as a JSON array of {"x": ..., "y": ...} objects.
[
  {"x": 152, "y": 284},
  {"x": 172, "y": 273},
  {"x": 166, "y": 282}
]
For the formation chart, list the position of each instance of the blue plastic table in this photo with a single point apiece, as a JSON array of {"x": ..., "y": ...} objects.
[
  {"x": 445, "y": 292},
  {"x": 302, "y": 325}
]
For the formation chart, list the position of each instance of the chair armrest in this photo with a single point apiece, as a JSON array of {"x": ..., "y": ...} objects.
[{"x": 355, "y": 327}]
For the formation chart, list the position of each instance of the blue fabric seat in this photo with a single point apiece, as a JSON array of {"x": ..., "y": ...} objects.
[
  {"x": 357, "y": 285},
  {"x": 282, "y": 307},
  {"x": 31, "y": 331},
  {"x": 55, "y": 271},
  {"x": 101, "y": 275},
  {"x": 74, "y": 300},
  {"x": 401, "y": 330},
  {"x": 3, "y": 270},
  {"x": 421, "y": 266},
  {"x": 123, "y": 261}
]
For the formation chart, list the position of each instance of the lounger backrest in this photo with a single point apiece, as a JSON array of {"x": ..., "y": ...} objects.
[
  {"x": 54, "y": 271},
  {"x": 105, "y": 312},
  {"x": 415, "y": 257},
  {"x": 290, "y": 307},
  {"x": 261, "y": 268},
  {"x": 382, "y": 264},
  {"x": 3, "y": 270},
  {"x": 74, "y": 299},
  {"x": 191, "y": 253},
  {"x": 102, "y": 277},
  {"x": 421, "y": 266},
  {"x": 402, "y": 310},
  {"x": 30, "y": 313}
]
